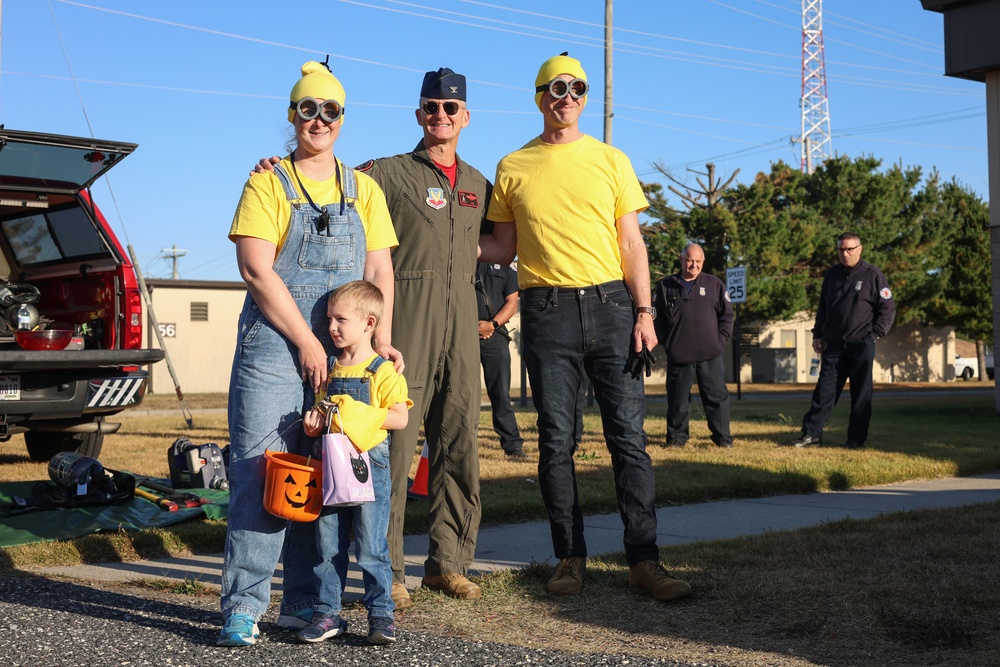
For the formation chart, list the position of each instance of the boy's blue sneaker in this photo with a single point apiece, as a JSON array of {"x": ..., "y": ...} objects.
[
  {"x": 239, "y": 630},
  {"x": 321, "y": 628},
  {"x": 296, "y": 621},
  {"x": 381, "y": 630}
]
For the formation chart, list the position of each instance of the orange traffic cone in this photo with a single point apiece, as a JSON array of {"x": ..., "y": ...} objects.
[{"x": 418, "y": 489}]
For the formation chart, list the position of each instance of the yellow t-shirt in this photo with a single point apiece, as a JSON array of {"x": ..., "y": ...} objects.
[
  {"x": 387, "y": 388},
  {"x": 565, "y": 200},
  {"x": 264, "y": 212}
]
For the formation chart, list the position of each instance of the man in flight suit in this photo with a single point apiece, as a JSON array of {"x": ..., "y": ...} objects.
[{"x": 437, "y": 203}]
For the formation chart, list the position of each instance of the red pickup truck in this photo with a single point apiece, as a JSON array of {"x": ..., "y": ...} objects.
[{"x": 63, "y": 269}]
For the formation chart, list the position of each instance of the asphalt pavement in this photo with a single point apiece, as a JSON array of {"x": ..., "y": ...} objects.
[{"x": 62, "y": 620}]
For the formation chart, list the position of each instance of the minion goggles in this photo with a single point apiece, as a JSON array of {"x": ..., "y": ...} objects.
[
  {"x": 560, "y": 88},
  {"x": 309, "y": 108}
]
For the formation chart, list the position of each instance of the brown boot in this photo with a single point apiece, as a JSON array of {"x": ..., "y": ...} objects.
[
  {"x": 400, "y": 596},
  {"x": 650, "y": 577},
  {"x": 568, "y": 579},
  {"x": 454, "y": 585}
]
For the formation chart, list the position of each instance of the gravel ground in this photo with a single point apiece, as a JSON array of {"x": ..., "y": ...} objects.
[{"x": 58, "y": 622}]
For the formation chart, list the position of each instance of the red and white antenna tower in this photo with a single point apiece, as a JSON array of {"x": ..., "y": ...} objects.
[{"x": 815, "y": 138}]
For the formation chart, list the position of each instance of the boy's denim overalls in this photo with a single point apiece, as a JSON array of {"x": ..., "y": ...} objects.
[{"x": 370, "y": 521}]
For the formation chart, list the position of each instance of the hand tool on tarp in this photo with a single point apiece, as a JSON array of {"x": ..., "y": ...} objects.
[
  {"x": 182, "y": 498},
  {"x": 164, "y": 503}
]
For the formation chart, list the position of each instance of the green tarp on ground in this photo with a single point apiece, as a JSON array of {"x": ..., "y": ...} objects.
[{"x": 63, "y": 524}]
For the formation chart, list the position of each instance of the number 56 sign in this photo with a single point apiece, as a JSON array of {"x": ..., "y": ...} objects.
[{"x": 736, "y": 284}]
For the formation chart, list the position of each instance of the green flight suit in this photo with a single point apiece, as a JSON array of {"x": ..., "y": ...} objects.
[{"x": 434, "y": 327}]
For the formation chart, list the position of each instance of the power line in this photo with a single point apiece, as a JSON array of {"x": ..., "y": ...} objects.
[
  {"x": 711, "y": 61},
  {"x": 930, "y": 46},
  {"x": 837, "y": 41},
  {"x": 592, "y": 42}
]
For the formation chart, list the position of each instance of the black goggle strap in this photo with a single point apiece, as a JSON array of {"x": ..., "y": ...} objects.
[{"x": 323, "y": 221}]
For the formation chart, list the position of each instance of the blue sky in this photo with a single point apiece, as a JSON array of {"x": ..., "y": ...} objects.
[{"x": 202, "y": 87}]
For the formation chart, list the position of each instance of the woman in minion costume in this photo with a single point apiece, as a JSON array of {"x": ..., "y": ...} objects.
[{"x": 300, "y": 231}]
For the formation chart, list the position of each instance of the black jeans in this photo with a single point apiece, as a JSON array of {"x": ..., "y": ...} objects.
[
  {"x": 711, "y": 377},
  {"x": 568, "y": 332},
  {"x": 840, "y": 362},
  {"x": 494, "y": 353}
]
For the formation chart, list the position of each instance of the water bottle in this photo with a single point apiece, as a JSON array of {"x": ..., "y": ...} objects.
[
  {"x": 814, "y": 365},
  {"x": 24, "y": 317}
]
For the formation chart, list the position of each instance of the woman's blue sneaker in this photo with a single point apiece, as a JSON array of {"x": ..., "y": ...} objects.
[
  {"x": 322, "y": 628},
  {"x": 239, "y": 630}
]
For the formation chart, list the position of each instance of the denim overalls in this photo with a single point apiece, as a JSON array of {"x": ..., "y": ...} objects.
[
  {"x": 266, "y": 391},
  {"x": 370, "y": 522}
]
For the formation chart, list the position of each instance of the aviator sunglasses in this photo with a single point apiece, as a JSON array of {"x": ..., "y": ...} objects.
[
  {"x": 560, "y": 88},
  {"x": 450, "y": 108},
  {"x": 308, "y": 108}
]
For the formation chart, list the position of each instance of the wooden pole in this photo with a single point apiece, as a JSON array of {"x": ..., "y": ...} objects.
[{"x": 608, "y": 54}]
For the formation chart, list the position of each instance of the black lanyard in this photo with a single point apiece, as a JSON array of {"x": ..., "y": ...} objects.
[{"x": 324, "y": 217}]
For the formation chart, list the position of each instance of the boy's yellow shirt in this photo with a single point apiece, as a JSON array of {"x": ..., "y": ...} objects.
[{"x": 360, "y": 422}]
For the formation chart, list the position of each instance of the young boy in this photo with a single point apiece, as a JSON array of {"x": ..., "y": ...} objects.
[{"x": 371, "y": 399}]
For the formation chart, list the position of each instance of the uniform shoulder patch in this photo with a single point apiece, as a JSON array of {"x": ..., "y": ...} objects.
[
  {"x": 365, "y": 166},
  {"x": 885, "y": 293}
]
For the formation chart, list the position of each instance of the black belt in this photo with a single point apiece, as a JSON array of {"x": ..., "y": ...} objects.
[{"x": 590, "y": 290}]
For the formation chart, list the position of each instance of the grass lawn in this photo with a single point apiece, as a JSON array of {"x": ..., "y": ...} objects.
[{"x": 916, "y": 588}]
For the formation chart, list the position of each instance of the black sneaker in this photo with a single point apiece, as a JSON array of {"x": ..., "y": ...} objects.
[
  {"x": 321, "y": 628},
  {"x": 516, "y": 455},
  {"x": 807, "y": 441},
  {"x": 853, "y": 444},
  {"x": 676, "y": 442},
  {"x": 381, "y": 630}
]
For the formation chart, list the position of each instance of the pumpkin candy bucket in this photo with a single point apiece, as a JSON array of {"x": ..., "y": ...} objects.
[{"x": 292, "y": 486}]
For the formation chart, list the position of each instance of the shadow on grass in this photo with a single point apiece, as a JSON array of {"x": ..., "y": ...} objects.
[{"x": 913, "y": 588}]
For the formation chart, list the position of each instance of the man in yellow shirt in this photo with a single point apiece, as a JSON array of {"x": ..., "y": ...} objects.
[{"x": 568, "y": 206}]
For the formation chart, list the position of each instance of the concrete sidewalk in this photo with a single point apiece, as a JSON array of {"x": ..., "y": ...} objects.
[{"x": 517, "y": 546}]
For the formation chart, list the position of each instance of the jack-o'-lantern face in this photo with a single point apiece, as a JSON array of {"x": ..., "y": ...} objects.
[{"x": 299, "y": 488}]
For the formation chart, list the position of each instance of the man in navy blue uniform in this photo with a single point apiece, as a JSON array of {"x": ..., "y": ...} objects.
[
  {"x": 694, "y": 319},
  {"x": 496, "y": 291},
  {"x": 855, "y": 310}
]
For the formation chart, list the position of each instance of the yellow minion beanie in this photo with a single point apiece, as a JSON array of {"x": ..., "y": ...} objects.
[
  {"x": 316, "y": 82},
  {"x": 553, "y": 67}
]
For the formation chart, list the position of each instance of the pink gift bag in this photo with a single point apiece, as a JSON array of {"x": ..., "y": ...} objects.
[{"x": 347, "y": 476}]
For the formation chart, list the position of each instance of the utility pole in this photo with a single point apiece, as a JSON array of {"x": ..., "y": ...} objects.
[
  {"x": 608, "y": 54},
  {"x": 174, "y": 254},
  {"x": 815, "y": 103}
]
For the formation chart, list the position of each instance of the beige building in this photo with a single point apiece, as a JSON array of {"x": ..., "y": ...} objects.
[
  {"x": 782, "y": 352},
  {"x": 198, "y": 322}
]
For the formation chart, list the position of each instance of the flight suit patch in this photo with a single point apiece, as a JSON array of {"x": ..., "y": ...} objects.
[
  {"x": 435, "y": 198},
  {"x": 366, "y": 166},
  {"x": 466, "y": 198}
]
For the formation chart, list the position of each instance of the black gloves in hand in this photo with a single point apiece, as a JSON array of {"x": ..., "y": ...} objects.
[{"x": 637, "y": 361}]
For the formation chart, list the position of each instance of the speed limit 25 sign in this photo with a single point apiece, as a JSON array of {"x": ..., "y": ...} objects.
[{"x": 736, "y": 284}]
